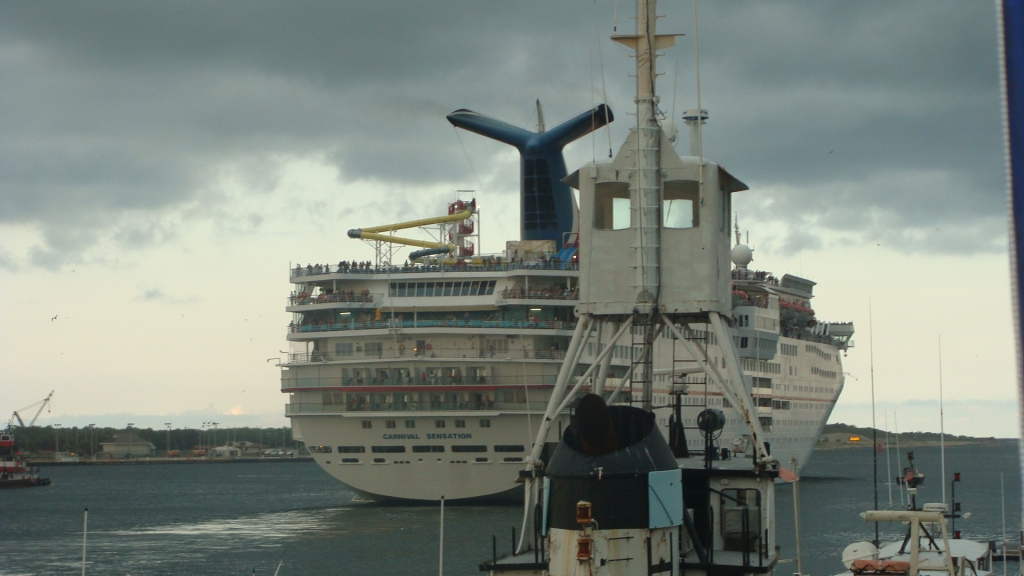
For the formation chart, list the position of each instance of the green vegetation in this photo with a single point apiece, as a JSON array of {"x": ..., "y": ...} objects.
[
  {"x": 923, "y": 437},
  {"x": 86, "y": 441}
]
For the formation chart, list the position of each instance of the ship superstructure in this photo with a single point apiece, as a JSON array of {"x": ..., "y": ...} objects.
[
  {"x": 430, "y": 378},
  {"x": 444, "y": 369}
]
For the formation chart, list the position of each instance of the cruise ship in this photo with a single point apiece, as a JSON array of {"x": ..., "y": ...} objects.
[{"x": 428, "y": 378}]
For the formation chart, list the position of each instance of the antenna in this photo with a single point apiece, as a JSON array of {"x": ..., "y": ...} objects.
[
  {"x": 874, "y": 429},
  {"x": 942, "y": 428}
]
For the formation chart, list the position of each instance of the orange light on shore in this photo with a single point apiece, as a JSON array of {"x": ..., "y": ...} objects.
[{"x": 854, "y": 438}]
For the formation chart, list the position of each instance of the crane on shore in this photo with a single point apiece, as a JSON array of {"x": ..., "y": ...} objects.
[{"x": 16, "y": 416}]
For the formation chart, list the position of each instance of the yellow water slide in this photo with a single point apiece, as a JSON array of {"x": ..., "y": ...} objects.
[{"x": 374, "y": 233}]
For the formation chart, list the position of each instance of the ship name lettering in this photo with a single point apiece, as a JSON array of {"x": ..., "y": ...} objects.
[
  {"x": 453, "y": 436},
  {"x": 401, "y": 436}
]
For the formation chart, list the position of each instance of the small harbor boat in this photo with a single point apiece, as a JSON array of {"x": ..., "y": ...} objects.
[
  {"x": 926, "y": 549},
  {"x": 14, "y": 470}
]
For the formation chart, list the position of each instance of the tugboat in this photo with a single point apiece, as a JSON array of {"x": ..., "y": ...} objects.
[
  {"x": 14, "y": 471},
  {"x": 614, "y": 497}
]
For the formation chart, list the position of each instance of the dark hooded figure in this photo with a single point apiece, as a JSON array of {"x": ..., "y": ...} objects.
[{"x": 594, "y": 426}]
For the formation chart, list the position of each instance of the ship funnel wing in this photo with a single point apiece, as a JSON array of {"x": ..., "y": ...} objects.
[{"x": 547, "y": 206}]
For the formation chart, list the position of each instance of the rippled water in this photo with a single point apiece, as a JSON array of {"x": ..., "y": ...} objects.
[{"x": 234, "y": 518}]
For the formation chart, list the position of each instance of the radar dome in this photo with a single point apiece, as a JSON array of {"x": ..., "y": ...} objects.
[
  {"x": 859, "y": 551},
  {"x": 742, "y": 255}
]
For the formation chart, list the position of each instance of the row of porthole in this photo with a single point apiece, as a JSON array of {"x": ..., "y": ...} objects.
[{"x": 384, "y": 461}]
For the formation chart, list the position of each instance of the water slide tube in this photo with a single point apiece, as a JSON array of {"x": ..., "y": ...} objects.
[{"x": 431, "y": 247}]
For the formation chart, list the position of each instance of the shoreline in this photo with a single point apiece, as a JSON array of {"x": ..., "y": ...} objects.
[{"x": 825, "y": 445}]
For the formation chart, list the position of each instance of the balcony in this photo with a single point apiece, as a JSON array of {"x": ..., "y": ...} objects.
[
  {"x": 390, "y": 324},
  {"x": 542, "y": 294},
  {"x": 496, "y": 266},
  {"x": 424, "y": 379},
  {"x": 302, "y": 299},
  {"x": 434, "y": 353},
  {"x": 318, "y": 408}
]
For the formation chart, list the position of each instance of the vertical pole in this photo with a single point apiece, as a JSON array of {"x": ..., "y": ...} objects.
[
  {"x": 440, "y": 556},
  {"x": 85, "y": 531},
  {"x": 1002, "y": 498},
  {"x": 915, "y": 543},
  {"x": 874, "y": 429},
  {"x": 888, "y": 462},
  {"x": 896, "y": 424},
  {"x": 942, "y": 427},
  {"x": 796, "y": 516},
  {"x": 646, "y": 196}
]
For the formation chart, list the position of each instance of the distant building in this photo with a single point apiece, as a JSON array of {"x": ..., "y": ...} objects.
[
  {"x": 224, "y": 452},
  {"x": 125, "y": 445}
]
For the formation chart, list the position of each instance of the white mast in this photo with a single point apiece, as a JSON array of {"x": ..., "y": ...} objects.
[
  {"x": 942, "y": 427},
  {"x": 647, "y": 193}
]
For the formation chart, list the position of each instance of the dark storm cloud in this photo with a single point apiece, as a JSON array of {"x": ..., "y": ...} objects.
[
  {"x": 117, "y": 114},
  {"x": 880, "y": 120}
]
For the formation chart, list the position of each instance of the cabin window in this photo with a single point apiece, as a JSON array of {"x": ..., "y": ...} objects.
[
  {"x": 741, "y": 519},
  {"x": 428, "y": 448},
  {"x": 351, "y": 449},
  {"x": 509, "y": 448},
  {"x": 367, "y": 424},
  {"x": 471, "y": 448},
  {"x": 388, "y": 449},
  {"x": 611, "y": 206},
  {"x": 390, "y": 424},
  {"x": 679, "y": 209},
  {"x": 410, "y": 423},
  {"x": 460, "y": 423},
  {"x": 438, "y": 423}
]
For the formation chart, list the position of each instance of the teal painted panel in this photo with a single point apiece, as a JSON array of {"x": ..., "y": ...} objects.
[{"x": 665, "y": 498}]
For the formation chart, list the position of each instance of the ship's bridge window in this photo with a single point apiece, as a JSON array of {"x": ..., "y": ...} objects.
[
  {"x": 741, "y": 519},
  {"x": 677, "y": 210},
  {"x": 611, "y": 206}
]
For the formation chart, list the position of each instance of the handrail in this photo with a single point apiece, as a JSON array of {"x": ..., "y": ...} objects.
[
  {"x": 343, "y": 297},
  {"x": 497, "y": 266},
  {"x": 543, "y": 294},
  {"x": 419, "y": 380},
  {"x": 435, "y": 353},
  {"x": 411, "y": 406},
  {"x": 394, "y": 324}
]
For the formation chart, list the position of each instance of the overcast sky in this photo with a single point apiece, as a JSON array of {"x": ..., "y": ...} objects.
[{"x": 162, "y": 164}]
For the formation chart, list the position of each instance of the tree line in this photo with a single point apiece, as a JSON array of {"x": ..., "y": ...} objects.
[{"x": 87, "y": 440}]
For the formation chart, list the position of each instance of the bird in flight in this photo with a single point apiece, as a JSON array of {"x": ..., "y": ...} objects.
[{"x": 54, "y": 317}]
